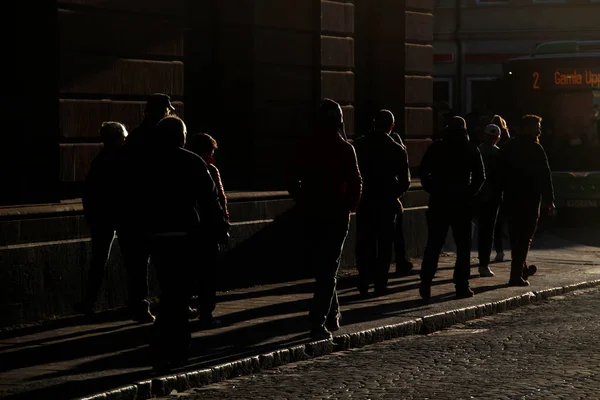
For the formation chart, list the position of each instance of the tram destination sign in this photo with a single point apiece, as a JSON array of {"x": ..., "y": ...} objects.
[{"x": 564, "y": 78}]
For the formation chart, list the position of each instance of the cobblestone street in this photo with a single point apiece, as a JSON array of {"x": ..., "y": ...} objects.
[{"x": 544, "y": 351}]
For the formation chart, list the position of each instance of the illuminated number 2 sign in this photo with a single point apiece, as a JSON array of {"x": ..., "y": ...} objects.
[
  {"x": 536, "y": 80},
  {"x": 572, "y": 78}
]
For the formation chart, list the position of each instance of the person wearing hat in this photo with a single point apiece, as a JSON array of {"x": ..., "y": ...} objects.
[
  {"x": 325, "y": 182},
  {"x": 488, "y": 199},
  {"x": 134, "y": 160},
  {"x": 452, "y": 172}
]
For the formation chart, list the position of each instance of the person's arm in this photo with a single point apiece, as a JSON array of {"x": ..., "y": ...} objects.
[
  {"x": 545, "y": 177},
  {"x": 354, "y": 184},
  {"x": 477, "y": 172},
  {"x": 402, "y": 172},
  {"x": 219, "y": 183},
  {"x": 211, "y": 212},
  {"x": 426, "y": 168}
]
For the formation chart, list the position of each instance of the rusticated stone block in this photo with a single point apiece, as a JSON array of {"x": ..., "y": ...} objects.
[
  {"x": 82, "y": 118},
  {"x": 338, "y": 86},
  {"x": 288, "y": 14},
  {"x": 75, "y": 160},
  {"x": 418, "y": 90},
  {"x": 337, "y": 17},
  {"x": 418, "y": 58},
  {"x": 281, "y": 83},
  {"x": 419, "y": 27},
  {"x": 177, "y": 7},
  {"x": 124, "y": 77},
  {"x": 337, "y": 52},
  {"x": 131, "y": 34},
  {"x": 278, "y": 47},
  {"x": 416, "y": 148},
  {"x": 418, "y": 121},
  {"x": 420, "y": 5}
]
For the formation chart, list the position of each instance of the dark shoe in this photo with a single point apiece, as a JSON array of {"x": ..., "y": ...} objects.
[
  {"x": 333, "y": 324},
  {"x": 380, "y": 292},
  {"x": 142, "y": 316},
  {"x": 425, "y": 290},
  {"x": 192, "y": 313},
  {"x": 209, "y": 322},
  {"x": 464, "y": 293},
  {"x": 320, "y": 333},
  {"x": 518, "y": 282},
  {"x": 363, "y": 289},
  {"x": 404, "y": 268},
  {"x": 84, "y": 308},
  {"x": 485, "y": 271},
  {"x": 528, "y": 271}
]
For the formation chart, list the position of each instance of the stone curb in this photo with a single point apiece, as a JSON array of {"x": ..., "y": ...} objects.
[{"x": 424, "y": 325}]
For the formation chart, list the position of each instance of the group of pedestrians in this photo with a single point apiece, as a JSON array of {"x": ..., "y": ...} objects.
[
  {"x": 161, "y": 193},
  {"x": 466, "y": 181},
  {"x": 165, "y": 202}
]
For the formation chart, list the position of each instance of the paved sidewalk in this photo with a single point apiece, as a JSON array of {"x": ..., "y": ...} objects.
[{"x": 71, "y": 358}]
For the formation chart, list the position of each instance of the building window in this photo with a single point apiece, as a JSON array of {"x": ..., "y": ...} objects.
[
  {"x": 481, "y": 94},
  {"x": 442, "y": 92}
]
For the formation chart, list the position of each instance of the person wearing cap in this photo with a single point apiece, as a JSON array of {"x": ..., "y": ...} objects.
[
  {"x": 384, "y": 169},
  {"x": 325, "y": 182},
  {"x": 526, "y": 180},
  {"x": 99, "y": 192},
  {"x": 488, "y": 199},
  {"x": 452, "y": 172},
  {"x": 134, "y": 159}
]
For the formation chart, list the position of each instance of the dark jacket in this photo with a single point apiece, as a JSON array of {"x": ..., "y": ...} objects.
[
  {"x": 452, "y": 170},
  {"x": 324, "y": 176},
  {"x": 100, "y": 188},
  {"x": 524, "y": 171},
  {"x": 491, "y": 190},
  {"x": 383, "y": 164},
  {"x": 170, "y": 191}
]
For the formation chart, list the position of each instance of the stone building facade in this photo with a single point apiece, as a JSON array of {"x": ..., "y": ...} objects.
[
  {"x": 473, "y": 38},
  {"x": 248, "y": 71}
]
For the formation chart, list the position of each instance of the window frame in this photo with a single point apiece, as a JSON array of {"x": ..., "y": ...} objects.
[{"x": 469, "y": 89}]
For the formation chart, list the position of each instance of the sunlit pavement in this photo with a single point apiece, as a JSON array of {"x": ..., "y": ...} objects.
[{"x": 69, "y": 359}]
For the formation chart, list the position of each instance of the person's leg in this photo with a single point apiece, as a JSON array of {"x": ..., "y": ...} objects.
[
  {"x": 403, "y": 266},
  {"x": 486, "y": 222},
  {"x": 136, "y": 254},
  {"x": 385, "y": 244},
  {"x": 102, "y": 240},
  {"x": 207, "y": 284},
  {"x": 437, "y": 224},
  {"x": 366, "y": 249},
  {"x": 461, "y": 231},
  {"x": 328, "y": 248},
  {"x": 171, "y": 334}
]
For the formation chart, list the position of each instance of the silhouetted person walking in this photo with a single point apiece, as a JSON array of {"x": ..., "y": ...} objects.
[
  {"x": 205, "y": 146},
  {"x": 183, "y": 211},
  {"x": 134, "y": 248},
  {"x": 326, "y": 184},
  {"x": 526, "y": 179},
  {"x": 500, "y": 219},
  {"x": 452, "y": 172},
  {"x": 403, "y": 265},
  {"x": 383, "y": 164},
  {"x": 489, "y": 199},
  {"x": 99, "y": 192}
]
